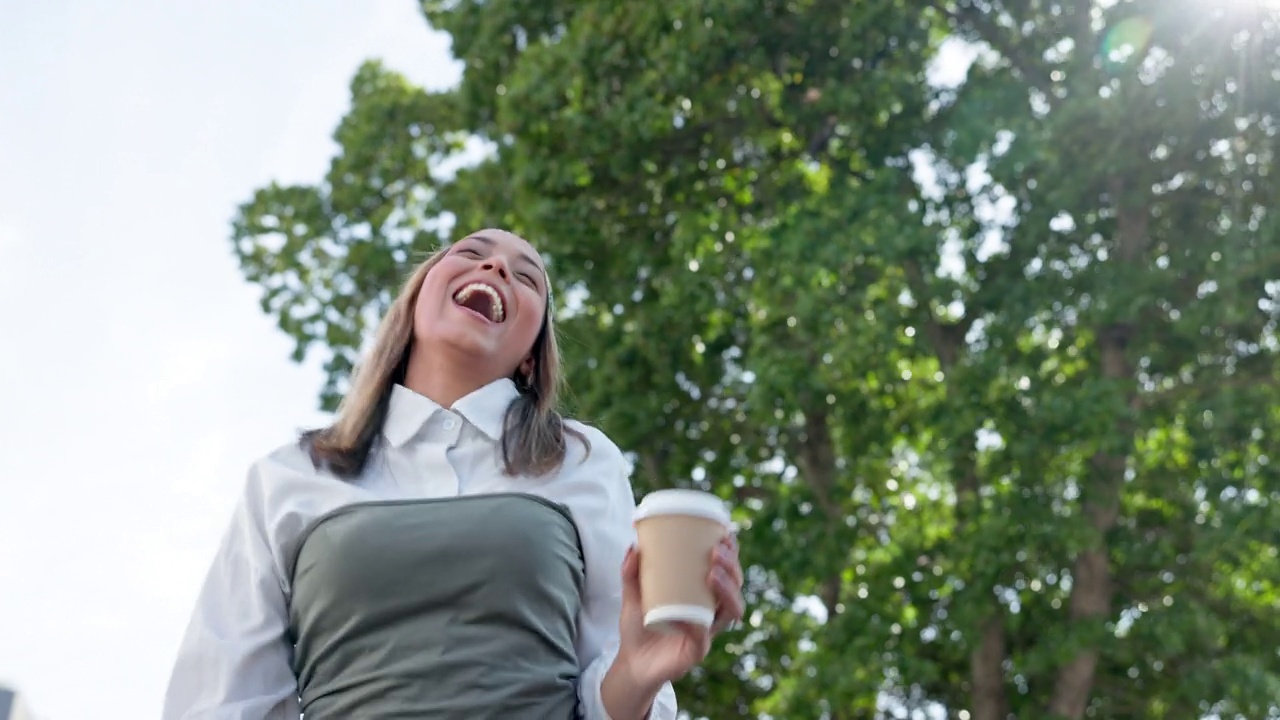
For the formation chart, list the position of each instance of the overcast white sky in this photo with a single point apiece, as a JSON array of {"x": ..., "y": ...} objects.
[{"x": 138, "y": 378}]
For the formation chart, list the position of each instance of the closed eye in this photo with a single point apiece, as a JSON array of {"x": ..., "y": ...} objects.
[{"x": 529, "y": 279}]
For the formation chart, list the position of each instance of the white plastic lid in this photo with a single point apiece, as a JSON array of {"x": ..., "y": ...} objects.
[
  {"x": 663, "y": 618},
  {"x": 683, "y": 502}
]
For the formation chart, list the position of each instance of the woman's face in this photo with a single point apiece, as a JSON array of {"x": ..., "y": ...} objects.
[{"x": 485, "y": 299}]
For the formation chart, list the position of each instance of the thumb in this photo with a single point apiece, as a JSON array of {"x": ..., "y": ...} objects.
[{"x": 631, "y": 576}]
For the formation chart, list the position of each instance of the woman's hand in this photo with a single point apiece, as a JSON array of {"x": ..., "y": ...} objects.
[{"x": 651, "y": 658}]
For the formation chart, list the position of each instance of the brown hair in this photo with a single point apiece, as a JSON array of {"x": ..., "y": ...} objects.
[{"x": 533, "y": 439}]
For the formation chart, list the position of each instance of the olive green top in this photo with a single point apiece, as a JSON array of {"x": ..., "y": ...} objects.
[{"x": 463, "y": 607}]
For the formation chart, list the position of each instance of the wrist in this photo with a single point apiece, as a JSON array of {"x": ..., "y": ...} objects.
[{"x": 625, "y": 690}]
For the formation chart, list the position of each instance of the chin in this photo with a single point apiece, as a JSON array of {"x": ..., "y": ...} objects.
[{"x": 472, "y": 342}]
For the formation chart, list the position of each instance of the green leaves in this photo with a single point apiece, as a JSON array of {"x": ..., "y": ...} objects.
[
  {"x": 329, "y": 258},
  {"x": 935, "y": 344}
]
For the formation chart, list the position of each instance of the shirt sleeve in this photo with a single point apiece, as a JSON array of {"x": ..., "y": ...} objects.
[
  {"x": 604, "y": 518},
  {"x": 234, "y": 662}
]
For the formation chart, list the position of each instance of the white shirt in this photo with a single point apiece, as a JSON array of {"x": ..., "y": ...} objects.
[{"x": 235, "y": 661}]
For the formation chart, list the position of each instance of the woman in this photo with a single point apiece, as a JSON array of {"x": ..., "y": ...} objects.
[{"x": 449, "y": 547}]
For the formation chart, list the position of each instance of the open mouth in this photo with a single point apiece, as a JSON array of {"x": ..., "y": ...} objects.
[{"x": 482, "y": 299}]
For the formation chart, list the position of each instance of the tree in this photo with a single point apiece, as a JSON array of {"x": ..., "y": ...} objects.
[{"x": 987, "y": 369}]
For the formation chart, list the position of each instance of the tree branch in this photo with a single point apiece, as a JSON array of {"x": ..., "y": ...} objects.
[
  {"x": 947, "y": 339},
  {"x": 967, "y": 15}
]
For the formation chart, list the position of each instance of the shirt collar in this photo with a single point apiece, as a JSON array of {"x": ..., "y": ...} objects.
[{"x": 485, "y": 408}]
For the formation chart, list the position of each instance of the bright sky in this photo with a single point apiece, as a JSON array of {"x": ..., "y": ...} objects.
[{"x": 138, "y": 377}]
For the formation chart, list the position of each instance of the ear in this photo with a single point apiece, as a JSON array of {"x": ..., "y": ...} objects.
[{"x": 527, "y": 366}]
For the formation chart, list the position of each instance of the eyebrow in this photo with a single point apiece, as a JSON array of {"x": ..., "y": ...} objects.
[{"x": 491, "y": 242}]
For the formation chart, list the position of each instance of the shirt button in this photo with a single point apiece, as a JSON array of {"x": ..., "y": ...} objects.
[{"x": 450, "y": 424}]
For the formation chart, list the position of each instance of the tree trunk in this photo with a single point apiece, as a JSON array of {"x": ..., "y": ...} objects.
[
  {"x": 988, "y": 700},
  {"x": 815, "y": 456},
  {"x": 987, "y": 654},
  {"x": 1091, "y": 586},
  {"x": 986, "y": 671},
  {"x": 1091, "y": 582}
]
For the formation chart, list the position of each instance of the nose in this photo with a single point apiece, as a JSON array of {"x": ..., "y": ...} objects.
[{"x": 497, "y": 264}]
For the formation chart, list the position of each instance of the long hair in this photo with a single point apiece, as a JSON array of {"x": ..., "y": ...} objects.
[{"x": 533, "y": 438}]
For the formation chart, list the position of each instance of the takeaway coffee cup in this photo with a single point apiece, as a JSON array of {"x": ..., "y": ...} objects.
[{"x": 677, "y": 530}]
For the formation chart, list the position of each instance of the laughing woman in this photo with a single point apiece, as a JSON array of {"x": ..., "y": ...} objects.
[{"x": 449, "y": 547}]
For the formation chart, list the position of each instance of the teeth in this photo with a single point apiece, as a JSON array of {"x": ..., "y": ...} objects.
[{"x": 496, "y": 311}]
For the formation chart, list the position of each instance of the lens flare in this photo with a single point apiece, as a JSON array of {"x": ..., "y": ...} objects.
[{"x": 1127, "y": 40}]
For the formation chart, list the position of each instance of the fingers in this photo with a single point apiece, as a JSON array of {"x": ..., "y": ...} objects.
[
  {"x": 726, "y": 581},
  {"x": 725, "y": 556},
  {"x": 729, "y": 601}
]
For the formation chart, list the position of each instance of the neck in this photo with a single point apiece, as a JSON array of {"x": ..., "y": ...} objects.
[{"x": 444, "y": 380}]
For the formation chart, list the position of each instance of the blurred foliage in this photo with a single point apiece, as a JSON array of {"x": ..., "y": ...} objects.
[{"x": 984, "y": 353}]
